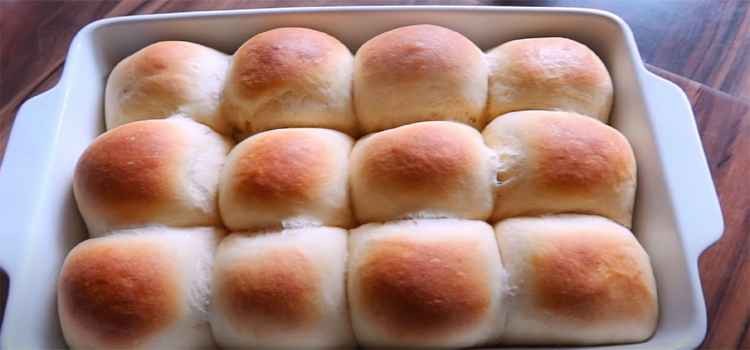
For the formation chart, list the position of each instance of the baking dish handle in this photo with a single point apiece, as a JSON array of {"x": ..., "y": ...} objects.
[
  {"x": 689, "y": 181},
  {"x": 23, "y": 174}
]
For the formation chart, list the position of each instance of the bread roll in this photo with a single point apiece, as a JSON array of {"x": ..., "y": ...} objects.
[
  {"x": 575, "y": 280},
  {"x": 145, "y": 288},
  {"x": 287, "y": 177},
  {"x": 290, "y": 77},
  {"x": 419, "y": 73},
  {"x": 151, "y": 172},
  {"x": 425, "y": 284},
  {"x": 555, "y": 74},
  {"x": 164, "y": 79},
  {"x": 426, "y": 169},
  {"x": 281, "y": 289},
  {"x": 555, "y": 162}
]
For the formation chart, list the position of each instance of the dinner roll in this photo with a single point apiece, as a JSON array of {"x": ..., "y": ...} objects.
[
  {"x": 145, "y": 288},
  {"x": 426, "y": 169},
  {"x": 281, "y": 289},
  {"x": 290, "y": 77},
  {"x": 151, "y": 172},
  {"x": 553, "y": 162},
  {"x": 418, "y": 73},
  {"x": 288, "y": 177},
  {"x": 576, "y": 280},
  {"x": 164, "y": 79},
  {"x": 550, "y": 74},
  {"x": 425, "y": 284}
]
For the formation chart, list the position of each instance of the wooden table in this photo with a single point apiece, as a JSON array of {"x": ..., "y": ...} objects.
[{"x": 703, "y": 46}]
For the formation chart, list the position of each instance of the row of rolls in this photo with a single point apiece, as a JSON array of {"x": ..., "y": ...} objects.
[
  {"x": 563, "y": 280},
  {"x": 299, "y": 77},
  {"x": 299, "y": 196}
]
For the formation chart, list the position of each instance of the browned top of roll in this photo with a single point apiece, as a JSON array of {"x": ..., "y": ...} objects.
[
  {"x": 578, "y": 274},
  {"x": 284, "y": 164},
  {"x": 411, "y": 52},
  {"x": 121, "y": 291},
  {"x": 424, "y": 288},
  {"x": 568, "y": 145},
  {"x": 422, "y": 155},
  {"x": 277, "y": 290},
  {"x": 572, "y": 62},
  {"x": 278, "y": 56},
  {"x": 160, "y": 65},
  {"x": 129, "y": 166}
]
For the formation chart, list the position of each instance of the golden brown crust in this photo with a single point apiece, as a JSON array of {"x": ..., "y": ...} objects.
[
  {"x": 548, "y": 74},
  {"x": 415, "y": 158},
  {"x": 591, "y": 280},
  {"x": 161, "y": 57},
  {"x": 417, "y": 51},
  {"x": 161, "y": 69},
  {"x": 282, "y": 167},
  {"x": 279, "y": 56},
  {"x": 121, "y": 292},
  {"x": 128, "y": 168},
  {"x": 554, "y": 59},
  {"x": 424, "y": 289},
  {"x": 582, "y": 154},
  {"x": 271, "y": 293}
]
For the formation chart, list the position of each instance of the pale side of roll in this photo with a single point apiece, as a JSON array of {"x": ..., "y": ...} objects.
[
  {"x": 290, "y": 77},
  {"x": 419, "y": 73},
  {"x": 557, "y": 162},
  {"x": 425, "y": 284},
  {"x": 427, "y": 169},
  {"x": 151, "y": 172},
  {"x": 288, "y": 177},
  {"x": 145, "y": 288},
  {"x": 165, "y": 79},
  {"x": 281, "y": 289},
  {"x": 555, "y": 74},
  {"x": 576, "y": 280}
]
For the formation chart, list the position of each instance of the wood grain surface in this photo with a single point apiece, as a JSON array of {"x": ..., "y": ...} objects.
[{"x": 703, "y": 46}]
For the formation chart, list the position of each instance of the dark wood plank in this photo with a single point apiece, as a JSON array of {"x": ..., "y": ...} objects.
[
  {"x": 42, "y": 67},
  {"x": 705, "y": 41},
  {"x": 724, "y": 124}
]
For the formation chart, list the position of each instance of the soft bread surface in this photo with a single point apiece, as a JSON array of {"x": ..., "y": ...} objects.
[
  {"x": 425, "y": 284},
  {"x": 549, "y": 74},
  {"x": 419, "y": 73},
  {"x": 426, "y": 169},
  {"x": 286, "y": 177},
  {"x": 290, "y": 77},
  {"x": 281, "y": 289},
  {"x": 139, "y": 289},
  {"x": 576, "y": 280},
  {"x": 151, "y": 172},
  {"x": 557, "y": 162},
  {"x": 165, "y": 79}
]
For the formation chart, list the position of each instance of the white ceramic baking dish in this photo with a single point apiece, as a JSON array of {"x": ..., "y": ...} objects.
[{"x": 677, "y": 214}]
